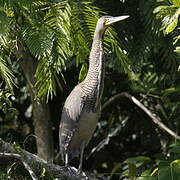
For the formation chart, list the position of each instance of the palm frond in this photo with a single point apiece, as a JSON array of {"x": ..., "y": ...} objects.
[
  {"x": 5, "y": 62},
  {"x": 169, "y": 15},
  {"x": 3, "y": 22},
  {"x": 46, "y": 79},
  {"x": 6, "y": 74},
  {"x": 38, "y": 41},
  {"x": 46, "y": 37}
]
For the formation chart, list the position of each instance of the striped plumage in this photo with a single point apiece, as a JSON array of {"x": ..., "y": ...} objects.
[{"x": 82, "y": 107}]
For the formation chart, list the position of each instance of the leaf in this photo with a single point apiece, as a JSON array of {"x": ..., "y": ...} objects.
[
  {"x": 116, "y": 167},
  {"x": 177, "y": 50},
  {"x": 10, "y": 168},
  {"x": 170, "y": 91},
  {"x": 165, "y": 173},
  {"x": 43, "y": 172},
  {"x": 146, "y": 172},
  {"x": 83, "y": 72},
  {"x": 171, "y": 172},
  {"x": 14, "y": 111},
  {"x": 176, "y": 169},
  {"x": 175, "y": 148},
  {"x": 39, "y": 40},
  {"x": 160, "y": 8},
  {"x": 138, "y": 161},
  {"x": 146, "y": 178},
  {"x": 171, "y": 26},
  {"x": 3, "y": 22},
  {"x": 154, "y": 172},
  {"x": 176, "y": 3},
  {"x": 6, "y": 74}
]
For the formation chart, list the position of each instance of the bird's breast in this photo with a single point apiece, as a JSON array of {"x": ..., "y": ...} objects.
[{"x": 85, "y": 129}]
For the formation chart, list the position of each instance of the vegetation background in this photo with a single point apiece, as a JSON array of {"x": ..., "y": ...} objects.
[{"x": 44, "y": 48}]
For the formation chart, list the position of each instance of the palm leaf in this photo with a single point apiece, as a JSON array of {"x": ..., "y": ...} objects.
[{"x": 6, "y": 74}]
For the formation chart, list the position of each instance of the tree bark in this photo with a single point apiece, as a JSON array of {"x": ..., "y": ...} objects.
[{"x": 41, "y": 112}]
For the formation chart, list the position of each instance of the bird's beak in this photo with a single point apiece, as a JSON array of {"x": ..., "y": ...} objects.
[{"x": 112, "y": 20}]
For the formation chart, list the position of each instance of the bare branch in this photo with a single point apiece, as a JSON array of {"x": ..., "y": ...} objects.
[
  {"x": 154, "y": 118},
  {"x": 11, "y": 155},
  {"x": 32, "y": 174},
  {"x": 112, "y": 99},
  {"x": 19, "y": 157}
]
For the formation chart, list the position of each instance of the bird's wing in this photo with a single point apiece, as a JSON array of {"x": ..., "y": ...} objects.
[{"x": 71, "y": 113}]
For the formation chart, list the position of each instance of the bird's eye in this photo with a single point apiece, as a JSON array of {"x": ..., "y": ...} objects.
[{"x": 106, "y": 21}]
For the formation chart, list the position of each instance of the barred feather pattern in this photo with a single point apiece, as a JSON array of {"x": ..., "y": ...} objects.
[{"x": 93, "y": 84}]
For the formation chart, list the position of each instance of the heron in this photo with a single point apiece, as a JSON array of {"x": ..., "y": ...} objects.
[{"x": 82, "y": 107}]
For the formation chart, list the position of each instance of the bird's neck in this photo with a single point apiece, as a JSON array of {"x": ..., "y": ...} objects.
[
  {"x": 96, "y": 63},
  {"x": 96, "y": 57},
  {"x": 94, "y": 81}
]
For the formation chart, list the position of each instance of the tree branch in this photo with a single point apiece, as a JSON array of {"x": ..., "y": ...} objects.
[
  {"x": 112, "y": 99},
  {"x": 32, "y": 174},
  {"x": 154, "y": 118},
  {"x": 35, "y": 165},
  {"x": 18, "y": 156},
  {"x": 11, "y": 155}
]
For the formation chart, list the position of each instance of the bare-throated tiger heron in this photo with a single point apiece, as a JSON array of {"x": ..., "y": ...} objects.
[{"x": 82, "y": 107}]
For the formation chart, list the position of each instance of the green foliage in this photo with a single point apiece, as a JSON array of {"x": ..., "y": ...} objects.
[
  {"x": 5, "y": 63},
  {"x": 166, "y": 166},
  {"x": 6, "y": 74},
  {"x": 145, "y": 178},
  {"x": 3, "y": 22},
  {"x": 7, "y": 111},
  {"x": 138, "y": 161},
  {"x": 7, "y": 174},
  {"x": 83, "y": 72},
  {"x": 169, "y": 16}
]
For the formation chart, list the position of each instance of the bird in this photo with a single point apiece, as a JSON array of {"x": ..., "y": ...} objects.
[{"x": 82, "y": 107}]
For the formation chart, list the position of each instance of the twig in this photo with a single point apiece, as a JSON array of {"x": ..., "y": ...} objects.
[
  {"x": 154, "y": 118},
  {"x": 19, "y": 157},
  {"x": 104, "y": 142},
  {"x": 32, "y": 174},
  {"x": 12, "y": 155},
  {"x": 113, "y": 98}
]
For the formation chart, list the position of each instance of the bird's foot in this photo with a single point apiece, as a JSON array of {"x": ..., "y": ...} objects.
[
  {"x": 79, "y": 171},
  {"x": 82, "y": 174},
  {"x": 71, "y": 170}
]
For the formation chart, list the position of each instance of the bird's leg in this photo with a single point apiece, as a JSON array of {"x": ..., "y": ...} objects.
[
  {"x": 81, "y": 157},
  {"x": 70, "y": 169},
  {"x": 66, "y": 160}
]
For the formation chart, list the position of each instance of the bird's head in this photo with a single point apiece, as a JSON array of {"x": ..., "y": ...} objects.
[{"x": 105, "y": 21}]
